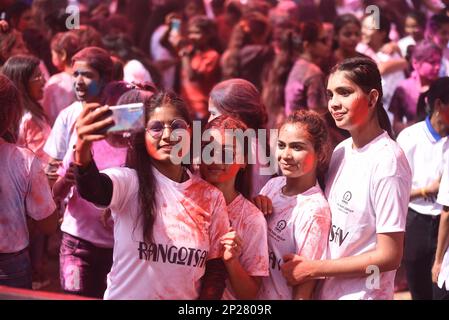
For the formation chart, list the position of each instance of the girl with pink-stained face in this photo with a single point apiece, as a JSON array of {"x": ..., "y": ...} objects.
[
  {"x": 367, "y": 188},
  {"x": 426, "y": 147},
  {"x": 245, "y": 251},
  {"x": 156, "y": 204},
  {"x": 298, "y": 217}
]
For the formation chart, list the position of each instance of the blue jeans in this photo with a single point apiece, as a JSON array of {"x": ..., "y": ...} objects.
[
  {"x": 83, "y": 267},
  {"x": 15, "y": 269}
]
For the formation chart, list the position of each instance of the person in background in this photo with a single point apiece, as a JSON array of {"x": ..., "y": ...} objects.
[
  {"x": 305, "y": 87},
  {"x": 58, "y": 91},
  {"x": 376, "y": 44},
  {"x": 406, "y": 105},
  {"x": 287, "y": 48},
  {"x": 20, "y": 16},
  {"x": 368, "y": 186},
  {"x": 200, "y": 69},
  {"x": 426, "y": 147},
  {"x": 438, "y": 31},
  {"x": 415, "y": 25},
  {"x": 25, "y": 193},
  {"x": 248, "y": 51}
]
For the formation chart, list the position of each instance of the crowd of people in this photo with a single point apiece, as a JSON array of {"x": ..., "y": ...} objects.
[{"x": 352, "y": 106}]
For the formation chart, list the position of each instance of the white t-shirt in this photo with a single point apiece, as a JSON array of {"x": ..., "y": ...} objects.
[
  {"x": 33, "y": 133},
  {"x": 190, "y": 218},
  {"x": 404, "y": 43},
  {"x": 299, "y": 224},
  {"x": 443, "y": 199},
  {"x": 58, "y": 94},
  {"x": 58, "y": 141},
  {"x": 24, "y": 191},
  {"x": 368, "y": 190},
  {"x": 251, "y": 227},
  {"x": 81, "y": 218},
  {"x": 425, "y": 157}
]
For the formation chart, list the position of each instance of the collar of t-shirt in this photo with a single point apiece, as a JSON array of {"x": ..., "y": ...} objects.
[
  {"x": 366, "y": 148},
  {"x": 432, "y": 131},
  {"x": 162, "y": 178},
  {"x": 312, "y": 190}
]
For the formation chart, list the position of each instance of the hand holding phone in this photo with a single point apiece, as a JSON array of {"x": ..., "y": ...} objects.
[
  {"x": 175, "y": 26},
  {"x": 175, "y": 31}
]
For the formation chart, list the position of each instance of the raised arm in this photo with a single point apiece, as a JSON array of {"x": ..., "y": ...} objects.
[{"x": 91, "y": 184}]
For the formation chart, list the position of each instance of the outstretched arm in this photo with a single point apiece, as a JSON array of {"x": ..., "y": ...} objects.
[{"x": 92, "y": 185}]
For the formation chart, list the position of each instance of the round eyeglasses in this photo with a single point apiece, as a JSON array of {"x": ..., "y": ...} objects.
[{"x": 156, "y": 128}]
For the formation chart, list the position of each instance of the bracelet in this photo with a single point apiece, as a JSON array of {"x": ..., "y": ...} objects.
[{"x": 423, "y": 192}]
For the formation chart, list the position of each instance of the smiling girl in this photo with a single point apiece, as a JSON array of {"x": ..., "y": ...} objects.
[
  {"x": 167, "y": 221},
  {"x": 300, "y": 218},
  {"x": 34, "y": 129},
  {"x": 368, "y": 188},
  {"x": 245, "y": 245}
]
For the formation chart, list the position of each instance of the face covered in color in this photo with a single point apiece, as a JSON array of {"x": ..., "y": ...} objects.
[{"x": 295, "y": 152}]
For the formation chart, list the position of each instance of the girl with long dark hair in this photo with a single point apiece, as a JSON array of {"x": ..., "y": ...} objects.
[{"x": 167, "y": 221}]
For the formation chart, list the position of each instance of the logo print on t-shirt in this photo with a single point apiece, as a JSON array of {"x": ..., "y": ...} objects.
[
  {"x": 281, "y": 226},
  {"x": 347, "y": 197}
]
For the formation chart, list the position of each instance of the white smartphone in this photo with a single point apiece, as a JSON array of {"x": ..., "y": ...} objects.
[{"x": 127, "y": 118}]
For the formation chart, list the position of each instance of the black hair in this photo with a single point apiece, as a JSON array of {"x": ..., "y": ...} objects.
[
  {"x": 418, "y": 16},
  {"x": 436, "y": 22},
  {"x": 342, "y": 21},
  {"x": 364, "y": 73},
  {"x": 438, "y": 90},
  {"x": 19, "y": 69}
]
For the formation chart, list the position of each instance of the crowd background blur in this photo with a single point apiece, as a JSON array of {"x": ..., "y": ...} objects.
[{"x": 285, "y": 48}]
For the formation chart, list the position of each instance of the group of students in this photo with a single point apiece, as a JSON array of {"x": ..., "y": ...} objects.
[
  {"x": 139, "y": 225},
  {"x": 167, "y": 217}
]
